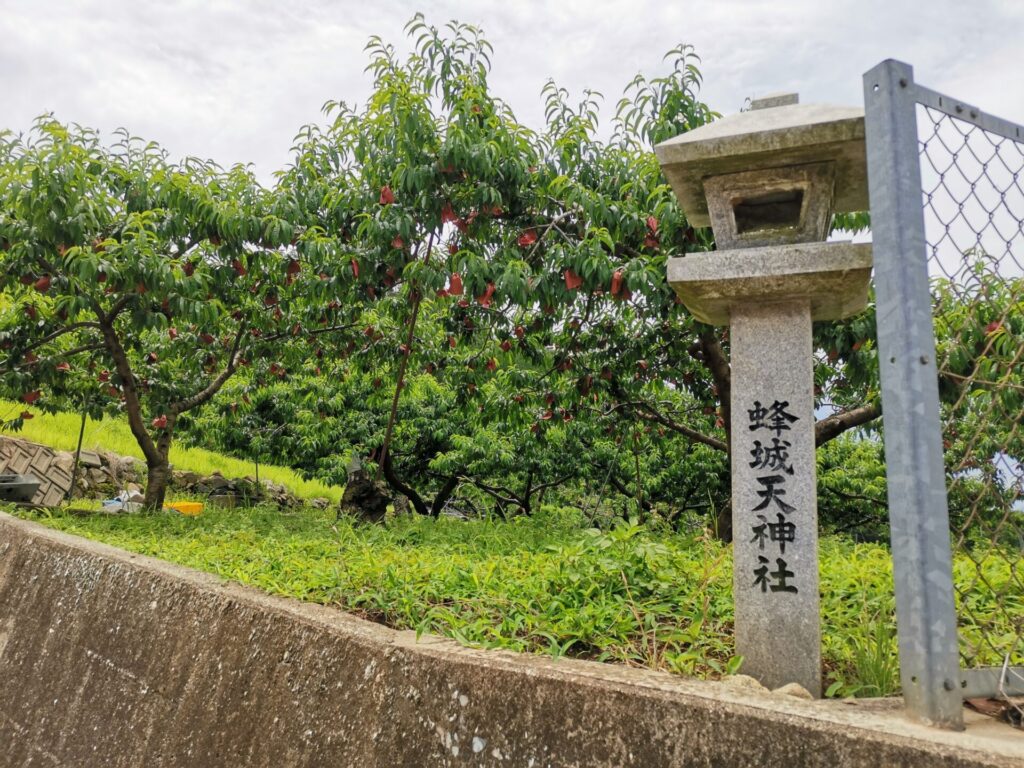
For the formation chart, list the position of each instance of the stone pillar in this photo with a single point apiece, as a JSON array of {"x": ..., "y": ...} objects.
[
  {"x": 774, "y": 498},
  {"x": 768, "y": 182}
]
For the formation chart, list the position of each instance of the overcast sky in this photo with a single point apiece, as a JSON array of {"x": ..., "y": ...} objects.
[{"x": 234, "y": 79}]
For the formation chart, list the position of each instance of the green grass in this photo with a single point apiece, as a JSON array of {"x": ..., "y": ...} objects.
[
  {"x": 540, "y": 585},
  {"x": 544, "y": 584},
  {"x": 60, "y": 431}
]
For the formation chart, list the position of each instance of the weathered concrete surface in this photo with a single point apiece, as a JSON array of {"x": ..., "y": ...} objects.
[
  {"x": 806, "y": 222},
  {"x": 113, "y": 659},
  {"x": 774, "y": 495},
  {"x": 52, "y": 468},
  {"x": 834, "y": 277},
  {"x": 774, "y": 137}
]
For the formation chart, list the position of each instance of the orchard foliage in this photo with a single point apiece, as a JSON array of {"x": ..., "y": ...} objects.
[
  {"x": 979, "y": 325},
  {"x": 523, "y": 270},
  {"x": 458, "y": 298},
  {"x": 475, "y": 308},
  {"x": 132, "y": 284}
]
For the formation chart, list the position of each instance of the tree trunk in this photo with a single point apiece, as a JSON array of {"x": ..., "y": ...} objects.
[
  {"x": 159, "y": 476},
  {"x": 396, "y": 484},
  {"x": 722, "y": 529},
  {"x": 717, "y": 364},
  {"x": 528, "y": 492},
  {"x": 443, "y": 494},
  {"x": 156, "y": 483}
]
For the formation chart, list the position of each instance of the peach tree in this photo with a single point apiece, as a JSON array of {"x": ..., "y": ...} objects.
[
  {"x": 135, "y": 285},
  {"x": 425, "y": 233},
  {"x": 538, "y": 256}
]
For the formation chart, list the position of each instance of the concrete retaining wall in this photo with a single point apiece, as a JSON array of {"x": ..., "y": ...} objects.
[{"x": 113, "y": 659}]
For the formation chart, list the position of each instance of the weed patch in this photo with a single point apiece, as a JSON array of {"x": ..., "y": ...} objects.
[{"x": 543, "y": 584}]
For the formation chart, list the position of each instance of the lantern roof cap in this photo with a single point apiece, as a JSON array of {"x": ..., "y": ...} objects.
[{"x": 776, "y": 132}]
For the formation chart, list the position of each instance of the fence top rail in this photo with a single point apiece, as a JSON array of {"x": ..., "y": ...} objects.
[{"x": 967, "y": 112}]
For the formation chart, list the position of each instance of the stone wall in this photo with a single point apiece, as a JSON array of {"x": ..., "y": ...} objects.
[
  {"x": 114, "y": 659},
  {"x": 102, "y": 474},
  {"x": 52, "y": 468}
]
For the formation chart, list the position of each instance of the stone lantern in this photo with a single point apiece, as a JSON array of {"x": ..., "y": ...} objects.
[{"x": 768, "y": 181}]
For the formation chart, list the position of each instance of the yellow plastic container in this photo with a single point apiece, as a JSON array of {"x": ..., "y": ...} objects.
[{"x": 190, "y": 508}]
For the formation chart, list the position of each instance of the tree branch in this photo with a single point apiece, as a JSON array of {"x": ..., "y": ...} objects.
[
  {"x": 79, "y": 350},
  {"x": 443, "y": 494},
  {"x": 61, "y": 331},
  {"x": 119, "y": 306},
  {"x": 856, "y": 497},
  {"x": 133, "y": 407},
  {"x": 396, "y": 484},
  {"x": 214, "y": 386},
  {"x": 410, "y": 339},
  {"x": 495, "y": 492},
  {"x": 619, "y": 486},
  {"x": 552, "y": 484},
  {"x": 528, "y": 489},
  {"x": 647, "y": 412},
  {"x": 717, "y": 363},
  {"x": 65, "y": 354},
  {"x": 313, "y": 332},
  {"x": 834, "y": 425}
]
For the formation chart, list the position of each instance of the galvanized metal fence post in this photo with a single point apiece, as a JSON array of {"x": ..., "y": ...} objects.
[{"x": 919, "y": 518}]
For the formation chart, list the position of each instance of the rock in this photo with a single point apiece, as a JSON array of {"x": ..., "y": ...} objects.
[
  {"x": 217, "y": 480},
  {"x": 102, "y": 475},
  {"x": 795, "y": 690},
  {"x": 125, "y": 467},
  {"x": 320, "y": 503},
  {"x": 365, "y": 499},
  {"x": 186, "y": 478},
  {"x": 225, "y": 500},
  {"x": 743, "y": 682},
  {"x": 90, "y": 459}
]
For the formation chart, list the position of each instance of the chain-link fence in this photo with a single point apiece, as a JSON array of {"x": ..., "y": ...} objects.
[
  {"x": 973, "y": 184},
  {"x": 947, "y": 205}
]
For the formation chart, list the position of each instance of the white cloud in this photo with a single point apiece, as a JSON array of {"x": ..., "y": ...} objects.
[{"x": 234, "y": 80}]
